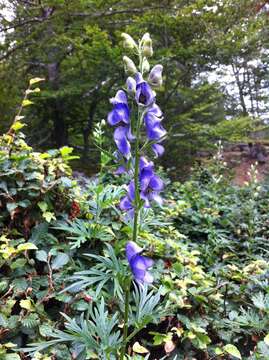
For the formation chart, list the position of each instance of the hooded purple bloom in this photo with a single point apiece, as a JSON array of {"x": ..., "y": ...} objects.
[
  {"x": 126, "y": 203},
  {"x": 155, "y": 76},
  {"x": 120, "y": 112},
  {"x": 131, "y": 85},
  {"x": 139, "y": 264},
  {"x": 121, "y": 137},
  {"x": 150, "y": 184},
  {"x": 144, "y": 94},
  {"x": 152, "y": 119},
  {"x": 158, "y": 149}
]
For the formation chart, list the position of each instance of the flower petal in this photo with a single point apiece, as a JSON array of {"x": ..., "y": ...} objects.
[
  {"x": 125, "y": 204},
  {"x": 120, "y": 138},
  {"x": 119, "y": 113},
  {"x": 131, "y": 85},
  {"x": 157, "y": 149},
  {"x": 144, "y": 94},
  {"x": 132, "y": 249},
  {"x": 155, "y": 76},
  {"x": 156, "y": 183},
  {"x": 119, "y": 98}
]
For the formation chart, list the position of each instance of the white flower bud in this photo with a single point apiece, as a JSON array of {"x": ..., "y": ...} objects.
[
  {"x": 146, "y": 42},
  {"x": 131, "y": 85},
  {"x": 129, "y": 65},
  {"x": 128, "y": 41},
  {"x": 145, "y": 66}
]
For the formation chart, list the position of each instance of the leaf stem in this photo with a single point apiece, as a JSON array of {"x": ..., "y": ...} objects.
[{"x": 126, "y": 314}]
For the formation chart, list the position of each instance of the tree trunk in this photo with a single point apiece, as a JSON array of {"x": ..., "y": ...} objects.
[
  {"x": 240, "y": 87},
  {"x": 88, "y": 128}
]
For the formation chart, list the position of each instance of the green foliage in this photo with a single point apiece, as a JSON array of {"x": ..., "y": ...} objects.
[{"x": 61, "y": 253}]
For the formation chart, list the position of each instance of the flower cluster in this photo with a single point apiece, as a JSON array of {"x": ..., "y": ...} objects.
[{"x": 140, "y": 91}]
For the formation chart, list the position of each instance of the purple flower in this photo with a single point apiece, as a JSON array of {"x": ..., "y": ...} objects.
[
  {"x": 126, "y": 203},
  {"x": 150, "y": 184},
  {"x": 152, "y": 119},
  {"x": 131, "y": 85},
  {"x": 139, "y": 264},
  {"x": 155, "y": 76},
  {"x": 158, "y": 149},
  {"x": 121, "y": 138},
  {"x": 120, "y": 112},
  {"x": 144, "y": 94}
]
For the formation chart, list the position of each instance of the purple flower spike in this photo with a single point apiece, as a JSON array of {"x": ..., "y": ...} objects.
[
  {"x": 139, "y": 264},
  {"x": 144, "y": 94}
]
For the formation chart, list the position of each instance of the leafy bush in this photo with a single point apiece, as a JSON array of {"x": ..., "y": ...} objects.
[{"x": 210, "y": 296}]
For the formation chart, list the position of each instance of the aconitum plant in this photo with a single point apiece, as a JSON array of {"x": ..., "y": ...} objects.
[{"x": 138, "y": 135}]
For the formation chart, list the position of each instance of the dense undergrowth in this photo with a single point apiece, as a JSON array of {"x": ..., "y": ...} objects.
[{"x": 210, "y": 298}]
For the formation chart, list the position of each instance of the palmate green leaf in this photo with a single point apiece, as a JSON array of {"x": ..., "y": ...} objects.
[
  {"x": 99, "y": 334},
  {"x": 107, "y": 269},
  {"x": 147, "y": 306},
  {"x": 81, "y": 231},
  {"x": 261, "y": 301},
  {"x": 103, "y": 197},
  {"x": 31, "y": 321}
]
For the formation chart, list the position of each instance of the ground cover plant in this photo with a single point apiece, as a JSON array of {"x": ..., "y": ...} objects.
[{"x": 101, "y": 271}]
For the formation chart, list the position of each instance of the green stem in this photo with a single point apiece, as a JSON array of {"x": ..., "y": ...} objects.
[
  {"x": 126, "y": 313},
  {"x": 136, "y": 180},
  {"x": 136, "y": 217}
]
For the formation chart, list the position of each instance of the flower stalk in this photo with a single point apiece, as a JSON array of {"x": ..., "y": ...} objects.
[
  {"x": 126, "y": 314},
  {"x": 132, "y": 154}
]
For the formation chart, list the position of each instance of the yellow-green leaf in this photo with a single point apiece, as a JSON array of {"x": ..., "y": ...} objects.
[
  {"x": 35, "y": 80},
  {"x": 266, "y": 339},
  {"x": 139, "y": 349},
  {"x": 27, "y": 304},
  {"x": 218, "y": 351},
  {"x": 26, "y": 246},
  {"x": 232, "y": 350},
  {"x": 26, "y": 102},
  {"x": 17, "y": 126},
  {"x": 9, "y": 345},
  {"x": 48, "y": 216}
]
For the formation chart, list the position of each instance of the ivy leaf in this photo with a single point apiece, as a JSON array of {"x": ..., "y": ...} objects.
[
  {"x": 139, "y": 349},
  {"x": 26, "y": 246},
  {"x": 17, "y": 126},
  {"x": 36, "y": 80},
  {"x": 26, "y": 102},
  {"x": 48, "y": 216},
  {"x": 11, "y": 357},
  {"x": 43, "y": 206},
  {"x": 27, "y": 304},
  {"x": 60, "y": 260},
  {"x": 232, "y": 350},
  {"x": 65, "y": 150},
  {"x": 266, "y": 339},
  {"x": 41, "y": 255},
  {"x": 31, "y": 321}
]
